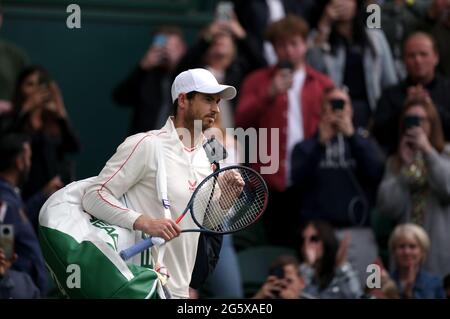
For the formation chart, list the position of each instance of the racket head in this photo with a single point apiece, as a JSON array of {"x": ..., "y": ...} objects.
[{"x": 218, "y": 207}]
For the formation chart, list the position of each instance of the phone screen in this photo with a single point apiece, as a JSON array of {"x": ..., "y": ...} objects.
[
  {"x": 7, "y": 240},
  {"x": 160, "y": 40},
  {"x": 224, "y": 11}
]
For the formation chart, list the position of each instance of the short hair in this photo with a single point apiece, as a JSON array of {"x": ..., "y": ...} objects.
[
  {"x": 421, "y": 34},
  {"x": 189, "y": 95},
  {"x": 290, "y": 25},
  {"x": 11, "y": 146},
  {"x": 411, "y": 231}
]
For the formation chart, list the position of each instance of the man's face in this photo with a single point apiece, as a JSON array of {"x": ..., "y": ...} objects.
[
  {"x": 291, "y": 49},
  {"x": 203, "y": 107},
  {"x": 420, "y": 58}
]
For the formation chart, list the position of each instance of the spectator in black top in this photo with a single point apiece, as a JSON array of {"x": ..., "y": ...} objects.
[
  {"x": 147, "y": 87},
  {"x": 421, "y": 58},
  {"x": 40, "y": 113},
  {"x": 224, "y": 49}
]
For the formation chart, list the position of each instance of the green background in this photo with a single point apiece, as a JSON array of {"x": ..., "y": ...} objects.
[{"x": 88, "y": 63}]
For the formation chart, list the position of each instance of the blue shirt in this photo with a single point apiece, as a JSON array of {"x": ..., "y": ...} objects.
[
  {"x": 426, "y": 286},
  {"x": 26, "y": 243}
]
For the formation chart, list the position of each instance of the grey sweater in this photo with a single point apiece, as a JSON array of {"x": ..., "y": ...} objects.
[{"x": 394, "y": 201}]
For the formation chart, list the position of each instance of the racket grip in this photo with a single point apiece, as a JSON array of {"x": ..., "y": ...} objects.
[{"x": 140, "y": 247}]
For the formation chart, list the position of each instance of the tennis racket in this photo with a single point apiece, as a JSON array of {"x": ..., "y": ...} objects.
[{"x": 226, "y": 201}]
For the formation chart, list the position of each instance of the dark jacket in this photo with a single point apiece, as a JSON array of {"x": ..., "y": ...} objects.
[
  {"x": 387, "y": 115},
  {"x": 26, "y": 242},
  {"x": 17, "y": 285},
  {"x": 337, "y": 182},
  {"x": 426, "y": 286},
  {"x": 148, "y": 93}
]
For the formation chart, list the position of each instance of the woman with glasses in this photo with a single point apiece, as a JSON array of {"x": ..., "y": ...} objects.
[
  {"x": 416, "y": 184},
  {"x": 325, "y": 269}
]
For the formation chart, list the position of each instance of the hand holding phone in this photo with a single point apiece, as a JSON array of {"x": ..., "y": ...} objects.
[{"x": 7, "y": 240}]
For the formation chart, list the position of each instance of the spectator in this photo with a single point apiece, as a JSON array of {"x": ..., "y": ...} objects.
[
  {"x": 147, "y": 87},
  {"x": 15, "y": 164},
  {"x": 398, "y": 20},
  {"x": 337, "y": 172},
  {"x": 284, "y": 280},
  {"x": 409, "y": 245},
  {"x": 415, "y": 187},
  {"x": 12, "y": 61},
  {"x": 437, "y": 23},
  {"x": 256, "y": 15},
  {"x": 353, "y": 55},
  {"x": 325, "y": 269},
  {"x": 15, "y": 284},
  {"x": 224, "y": 49},
  {"x": 40, "y": 113},
  {"x": 284, "y": 99},
  {"x": 421, "y": 57}
]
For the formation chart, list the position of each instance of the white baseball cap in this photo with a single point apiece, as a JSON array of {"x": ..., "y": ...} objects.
[{"x": 203, "y": 81}]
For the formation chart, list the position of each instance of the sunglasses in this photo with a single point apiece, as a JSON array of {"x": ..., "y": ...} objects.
[{"x": 313, "y": 239}]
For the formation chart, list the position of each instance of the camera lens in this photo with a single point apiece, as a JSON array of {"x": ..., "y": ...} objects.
[{"x": 5, "y": 231}]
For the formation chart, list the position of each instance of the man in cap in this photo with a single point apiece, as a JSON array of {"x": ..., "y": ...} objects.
[{"x": 133, "y": 169}]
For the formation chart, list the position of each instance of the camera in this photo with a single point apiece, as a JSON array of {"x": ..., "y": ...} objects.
[
  {"x": 7, "y": 240},
  {"x": 411, "y": 121},
  {"x": 277, "y": 272},
  {"x": 337, "y": 104}
]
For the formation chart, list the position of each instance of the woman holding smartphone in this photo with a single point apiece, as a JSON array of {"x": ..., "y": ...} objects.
[{"x": 416, "y": 184}]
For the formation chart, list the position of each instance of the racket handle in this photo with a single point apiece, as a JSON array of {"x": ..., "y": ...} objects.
[{"x": 140, "y": 247}]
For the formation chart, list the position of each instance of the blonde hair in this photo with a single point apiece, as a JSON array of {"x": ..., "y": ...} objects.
[{"x": 410, "y": 231}]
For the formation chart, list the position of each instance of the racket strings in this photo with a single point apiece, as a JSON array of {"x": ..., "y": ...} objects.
[{"x": 223, "y": 207}]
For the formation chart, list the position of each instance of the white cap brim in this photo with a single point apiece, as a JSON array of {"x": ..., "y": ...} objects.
[{"x": 226, "y": 92}]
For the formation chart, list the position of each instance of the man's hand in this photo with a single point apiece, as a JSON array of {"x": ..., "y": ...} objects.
[
  {"x": 344, "y": 123},
  {"x": 5, "y": 264},
  {"x": 281, "y": 83},
  {"x": 164, "y": 228},
  {"x": 53, "y": 185},
  {"x": 152, "y": 57},
  {"x": 326, "y": 129},
  {"x": 232, "y": 181}
]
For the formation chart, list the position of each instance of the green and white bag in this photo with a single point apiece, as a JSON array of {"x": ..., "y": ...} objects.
[{"x": 82, "y": 252}]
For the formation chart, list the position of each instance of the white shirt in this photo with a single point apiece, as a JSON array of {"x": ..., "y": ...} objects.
[
  {"x": 132, "y": 170},
  {"x": 295, "y": 131}
]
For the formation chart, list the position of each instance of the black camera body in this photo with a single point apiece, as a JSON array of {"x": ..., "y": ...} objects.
[
  {"x": 337, "y": 104},
  {"x": 411, "y": 121}
]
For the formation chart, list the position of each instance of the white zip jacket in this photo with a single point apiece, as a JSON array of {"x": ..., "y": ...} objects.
[{"x": 132, "y": 171}]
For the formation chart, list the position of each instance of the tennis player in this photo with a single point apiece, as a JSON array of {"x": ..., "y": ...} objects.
[{"x": 132, "y": 170}]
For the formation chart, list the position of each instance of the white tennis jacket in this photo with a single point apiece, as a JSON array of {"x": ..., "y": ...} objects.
[{"x": 132, "y": 171}]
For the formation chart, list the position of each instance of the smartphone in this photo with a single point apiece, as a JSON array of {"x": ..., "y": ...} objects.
[
  {"x": 224, "y": 11},
  {"x": 7, "y": 240},
  {"x": 277, "y": 272},
  {"x": 337, "y": 104},
  {"x": 411, "y": 121},
  {"x": 159, "y": 40}
]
